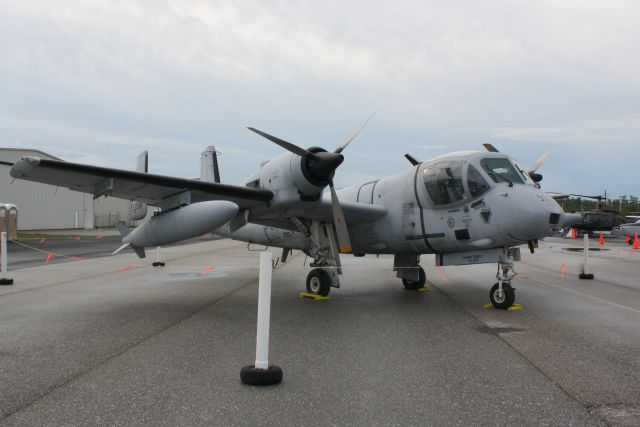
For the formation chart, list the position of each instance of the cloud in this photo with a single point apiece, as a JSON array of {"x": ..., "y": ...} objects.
[
  {"x": 113, "y": 78},
  {"x": 611, "y": 132},
  {"x": 430, "y": 147}
]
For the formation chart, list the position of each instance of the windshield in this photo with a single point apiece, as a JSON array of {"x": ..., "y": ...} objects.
[
  {"x": 444, "y": 182},
  {"x": 501, "y": 170},
  {"x": 476, "y": 183}
]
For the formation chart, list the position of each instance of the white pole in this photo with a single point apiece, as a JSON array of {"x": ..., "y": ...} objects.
[
  {"x": 3, "y": 248},
  {"x": 157, "y": 253},
  {"x": 586, "y": 253},
  {"x": 264, "y": 311}
]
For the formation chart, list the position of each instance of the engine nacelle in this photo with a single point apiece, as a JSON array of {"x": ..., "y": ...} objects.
[
  {"x": 292, "y": 177},
  {"x": 182, "y": 223}
]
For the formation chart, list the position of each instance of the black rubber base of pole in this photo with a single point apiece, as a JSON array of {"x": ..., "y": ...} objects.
[
  {"x": 251, "y": 375},
  {"x": 158, "y": 264},
  {"x": 6, "y": 281},
  {"x": 586, "y": 276}
]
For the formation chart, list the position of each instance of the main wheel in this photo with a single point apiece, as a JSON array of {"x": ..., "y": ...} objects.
[
  {"x": 318, "y": 282},
  {"x": 411, "y": 285},
  {"x": 502, "y": 299}
]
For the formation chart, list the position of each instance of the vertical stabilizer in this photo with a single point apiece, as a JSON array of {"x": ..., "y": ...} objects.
[
  {"x": 209, "y": 165},
  {"x": 138, "y": 210}
]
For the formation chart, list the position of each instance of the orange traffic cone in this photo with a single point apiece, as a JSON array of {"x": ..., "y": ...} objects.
[
  {"x": 635, "y": 242},
  {"x": 601, "y": 239},
  {"x": 573, "y": 233}
]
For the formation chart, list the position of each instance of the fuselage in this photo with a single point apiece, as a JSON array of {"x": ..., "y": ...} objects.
[{"x": 456, "y": 202}]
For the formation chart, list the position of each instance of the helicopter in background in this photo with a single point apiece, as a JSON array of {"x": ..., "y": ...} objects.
[{"x": 600, "y": 219}]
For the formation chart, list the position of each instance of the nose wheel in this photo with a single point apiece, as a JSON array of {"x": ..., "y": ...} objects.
[{"x": 502, "y": 294}]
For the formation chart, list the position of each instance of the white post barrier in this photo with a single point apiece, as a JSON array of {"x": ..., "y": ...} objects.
[
  {"x": 3, "y": 260},
  {"x": 261, "y": 373},
  {"x": 264, "y": 311},
  {"x": 585, "y": 274},
  {"x": 157, "y": 262}
]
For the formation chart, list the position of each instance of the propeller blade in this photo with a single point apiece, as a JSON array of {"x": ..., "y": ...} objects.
[
  {"x": 344, "y": 243},
  {"x": 490, "y": 148},
  {"x": 535, "y": 165},
  {"x": 286, "y": 145},
  {"x": 347, "y": 141},
  {"x": 412, "y": 159}
]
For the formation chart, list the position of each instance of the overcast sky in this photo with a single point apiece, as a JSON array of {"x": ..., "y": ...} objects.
[{"x": 100, "y": 81}]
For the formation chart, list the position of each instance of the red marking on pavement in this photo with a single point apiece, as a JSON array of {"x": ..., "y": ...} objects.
[
  {"x": 441, "y": 274},
  {"x": 127, "y": 268},
  {"x": 563, "y": 270},
  {"x": 208, "y": 269},
  {"x": 49, "y": 258},
  {"x": 78, "y": 258},
  {"x": 76, "y": 238}
]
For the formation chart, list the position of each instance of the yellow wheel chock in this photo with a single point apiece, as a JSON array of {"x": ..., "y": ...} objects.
[
  {"x": 313, "y": 297},
  {"x": 514, "y": 307},
  {"x": 423, "y": 289}
]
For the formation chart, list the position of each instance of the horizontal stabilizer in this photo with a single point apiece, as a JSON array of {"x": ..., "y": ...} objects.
[{"x": 137, "y": 249}]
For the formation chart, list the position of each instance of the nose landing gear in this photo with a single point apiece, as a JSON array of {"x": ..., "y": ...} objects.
[{"x": 502, "y": 294}]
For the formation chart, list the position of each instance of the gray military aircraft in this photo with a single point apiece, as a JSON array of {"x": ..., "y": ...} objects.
[{"x": 465, "y": 207}]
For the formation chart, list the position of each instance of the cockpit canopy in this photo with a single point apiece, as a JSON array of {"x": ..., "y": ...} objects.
[
  {"x": 444, "y": 182},
  {"x": 451, "y": 181},
  {"x": 501, "y": 170}
]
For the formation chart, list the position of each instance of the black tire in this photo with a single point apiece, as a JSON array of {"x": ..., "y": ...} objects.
[
  {"x": 251, "y": 375},
  {"x": 410, "y": 285},
  {"x": 505, "y": 300},
  {"x": 318, "y": 282}
]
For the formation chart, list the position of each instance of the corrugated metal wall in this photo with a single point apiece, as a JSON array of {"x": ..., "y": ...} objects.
[{"x": 43, "y": 206}]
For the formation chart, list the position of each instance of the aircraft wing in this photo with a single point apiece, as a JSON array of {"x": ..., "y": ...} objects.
[{"x": 143, "y": 187}]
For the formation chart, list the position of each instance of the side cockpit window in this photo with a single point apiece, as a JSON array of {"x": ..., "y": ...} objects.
[
  {"x": 475, "y": 181},
  {"x": 444, "y": 182},
  {"x": 501, "y": 170}
]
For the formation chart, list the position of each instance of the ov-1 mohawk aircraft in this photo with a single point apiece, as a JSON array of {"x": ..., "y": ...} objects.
[{"x": 464, "y": 207}]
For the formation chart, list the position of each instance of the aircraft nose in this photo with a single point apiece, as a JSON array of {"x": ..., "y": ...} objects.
[{"x": 539, "y": 215}]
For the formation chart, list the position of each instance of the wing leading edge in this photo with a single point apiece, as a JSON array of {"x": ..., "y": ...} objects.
[{"x": 143, "y": 187}]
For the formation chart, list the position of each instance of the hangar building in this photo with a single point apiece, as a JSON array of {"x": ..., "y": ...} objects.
[
  {"x": 42, "y": 206},
  {"x": 47, "y": 207}
]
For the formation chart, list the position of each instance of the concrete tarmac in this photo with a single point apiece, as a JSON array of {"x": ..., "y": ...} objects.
[{"x": 115, "y": 341}]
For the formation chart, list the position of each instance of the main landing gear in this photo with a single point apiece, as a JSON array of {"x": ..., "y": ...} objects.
[
  {"x": 414, "y": 285},
  {"x": 318, "y": 282},
  {"x": 502, "y": 294}
]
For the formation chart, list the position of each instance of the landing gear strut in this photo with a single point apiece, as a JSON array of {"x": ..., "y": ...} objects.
[{"x": 502, "y": 294}]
